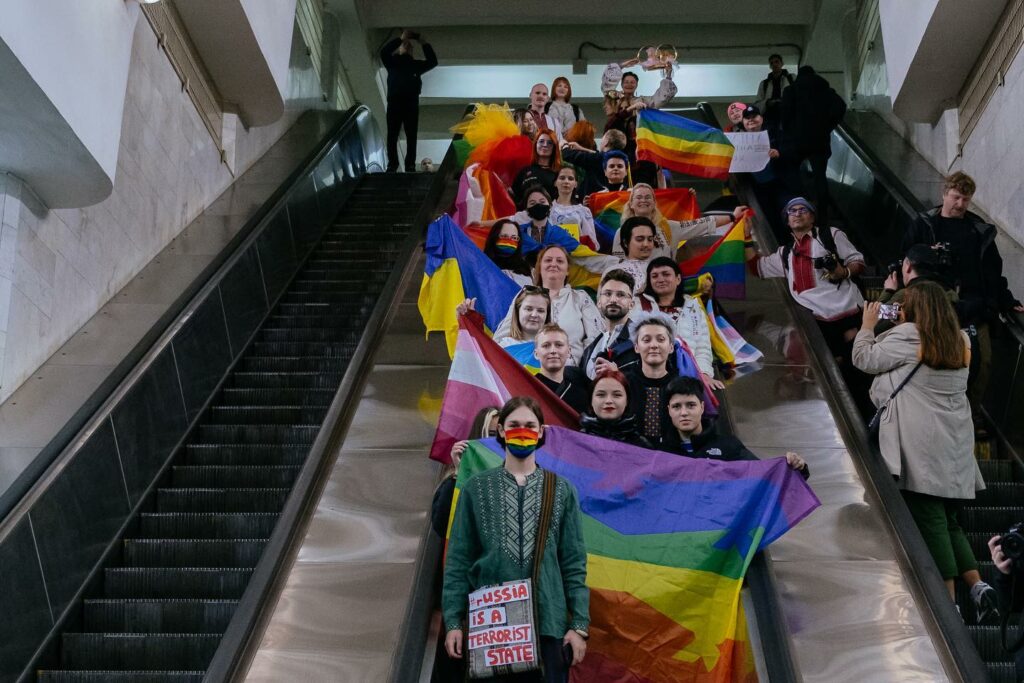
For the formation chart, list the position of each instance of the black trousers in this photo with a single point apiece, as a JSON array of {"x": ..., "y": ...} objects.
[{"x": 403, "y": 112}]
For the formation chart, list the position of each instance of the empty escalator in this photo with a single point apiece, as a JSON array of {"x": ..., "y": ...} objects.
[{"x": 160, "y": 608}]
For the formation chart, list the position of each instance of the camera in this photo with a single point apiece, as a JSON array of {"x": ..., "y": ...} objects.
[
  {"x": 827, "y": 262},
  {"x": 889, "y": 311},
  {"x": 896, "y": 268},
  {"x": 1012, "y": 543}
]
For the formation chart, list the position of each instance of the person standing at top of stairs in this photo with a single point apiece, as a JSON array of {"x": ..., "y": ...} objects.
[{"x": 404, "y": 85}]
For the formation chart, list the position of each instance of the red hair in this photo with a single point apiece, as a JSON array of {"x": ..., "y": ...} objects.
[
  {"x": 556, "y": 153},
  {"x": 608, "y": 373},
  {"x": 562, "y": 79}
]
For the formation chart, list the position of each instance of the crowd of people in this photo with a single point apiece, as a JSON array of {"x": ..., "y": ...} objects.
[{"x": 633, "y": 355}]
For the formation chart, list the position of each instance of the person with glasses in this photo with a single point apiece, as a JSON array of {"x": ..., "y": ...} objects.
[
  {"x": 613, "y": 347},
  {"x": 547, "y": 160},
  {"x": 505, "y": 249},
  {"x": 572, "y": 309},
  {"x": 819, "y": 266}
]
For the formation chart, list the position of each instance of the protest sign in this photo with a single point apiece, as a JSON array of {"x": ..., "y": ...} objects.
[{"x": 751, "y": 153}]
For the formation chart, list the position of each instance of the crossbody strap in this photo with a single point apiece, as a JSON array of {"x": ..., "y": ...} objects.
[
  {"x": 904, "y": 382},
  {"x": 547, "y": 507}
]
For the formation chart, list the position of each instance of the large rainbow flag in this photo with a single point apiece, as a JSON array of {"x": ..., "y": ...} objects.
[
  {"x": 668, "y": 540},
  {"x": 455, "y": 270},
  {"x": 675, "y": 203},
  {"x": 724, "y": 261},
  {"x": 682, "y": 145},
  {"x": 483, "y": 374}
]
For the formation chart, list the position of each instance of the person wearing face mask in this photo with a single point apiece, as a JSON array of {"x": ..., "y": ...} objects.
[
  {"x": 505, "y": 249},
  {"x": 568, "y": 382},
  {"x": 613, "y": 346},
  {"x": 566, "y": 209},
  {"x": 493, "y": 540},
  {"x": 608, "y": 416},
  {"x": 670, "y": 233},
  {"x": 654, "y": 341},
  {"x": 572, "y": 309},
  {"x": 694, "y": 435},
  {"x": 539, "y": 231},
  {"x": 547, "y": 160}
]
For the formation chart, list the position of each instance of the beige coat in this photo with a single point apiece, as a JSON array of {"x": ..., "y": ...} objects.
[{"x": 926, "y": 433}]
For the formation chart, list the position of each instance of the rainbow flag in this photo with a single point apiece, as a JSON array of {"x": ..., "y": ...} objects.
[
  {"x": 675, "y": 203},
  {"x": 724, "y": 261},
  {"x": 726, "y": 339},
  {"x": 455, "y": 270},
  {"x": 480, "y": 197},
  {"x": 483, "y": 374},
  {"x": 668, "y": 540},
  {"x": 682, "y": 145}
]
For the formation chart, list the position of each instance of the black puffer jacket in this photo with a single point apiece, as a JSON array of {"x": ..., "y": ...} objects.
[{"x": 626, "y": 429}]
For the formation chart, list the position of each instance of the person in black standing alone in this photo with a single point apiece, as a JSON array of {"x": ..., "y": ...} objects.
[{"x": 404, "y": 86}]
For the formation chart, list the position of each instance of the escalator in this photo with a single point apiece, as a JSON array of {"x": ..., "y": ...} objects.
[{"x": 874, "y": 205}]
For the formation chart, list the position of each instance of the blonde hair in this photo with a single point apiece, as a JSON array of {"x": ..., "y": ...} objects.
[
  {"x": 656, "y": 217},
  {"x": 516, "y": 331}
]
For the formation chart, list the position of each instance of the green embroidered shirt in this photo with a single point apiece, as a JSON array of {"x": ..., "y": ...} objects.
[{"x": 492, "y": 541}]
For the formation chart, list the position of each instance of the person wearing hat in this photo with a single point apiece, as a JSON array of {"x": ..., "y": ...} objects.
[
  {"x": 769, "y": 185},
  {"x": 734, "y": 112},
  {"x": 923, "y": 263},
  {"x": 818, "y": 266}
]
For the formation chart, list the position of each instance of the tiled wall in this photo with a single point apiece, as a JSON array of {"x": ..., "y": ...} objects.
[{"x": 58, "y": 267}]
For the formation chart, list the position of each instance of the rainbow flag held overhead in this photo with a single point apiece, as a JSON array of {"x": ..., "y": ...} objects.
[
  {"x": 683, "y": 145},
  {"x": 668, "y": 541},
  {"x": 483, "y": 374},
  {"x": 674, "y": 203},
  {"x": 724, "y": 261},
  {"x": 455, "y": 270}
]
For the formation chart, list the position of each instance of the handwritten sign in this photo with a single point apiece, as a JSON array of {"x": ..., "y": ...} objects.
[
  {"x": 751, "y": 153},
  {"x": 501, "y": 631}
]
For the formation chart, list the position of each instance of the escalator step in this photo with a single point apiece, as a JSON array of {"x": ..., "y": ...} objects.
[
  {"x": 221, "y": 499},
  {"x": 963, "y": 597},
  {"x": 257, "y": 434},
  {"x": 192, "y": 552},
  {"x": 269, "y": 397},
  {"x": 334, "y": 320},
  {"x": 253, "y": 454},
  {"x": 138, "y": 651},
  {"x": 293, "y": 364},
  {"x": 995, "y": 519},
  {"x": 116, "y": 676},
  {"x": 328, "y": 299},
  {"x": 193, "y": 583},
  {"x": 157, "y": 616},
  {"x": 1000, "y": 493},
  {"x": 266, "y": 415},
  {"x": 986, "y": 639},
  {"x": 1002, "y": 672},
  {"x": 996, "y": 470},
  {"x": 309, "y": 379},
  {"x": 979, "y": 543},
  {"x": 346, "y": 310},
  {"x": 226, "y": 525},
  {"x": 377, "y": 272},
  {"x": 354, "y": 283},
  {"x": 234, "y": 476},
  {"x": 346, "y": 334},
  {"x": 302, "y": 347}
]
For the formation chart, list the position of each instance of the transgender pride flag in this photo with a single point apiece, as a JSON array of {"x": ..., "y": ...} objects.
[{"x": 483, "y": 374}]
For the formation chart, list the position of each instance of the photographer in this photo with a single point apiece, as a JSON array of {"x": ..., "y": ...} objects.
[
  {"x": 1009, "y": 573},
  {"x": 404, "y": 85},
  {"x": 923, "y": 263}
]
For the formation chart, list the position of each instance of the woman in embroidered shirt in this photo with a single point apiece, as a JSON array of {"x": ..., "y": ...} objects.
[
  {"x": 566, "y": 209},
  {"x": 493, "y": 539}
]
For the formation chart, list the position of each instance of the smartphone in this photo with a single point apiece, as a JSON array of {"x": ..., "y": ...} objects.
[
  {"x": 889, "y": 311},
  {"x": 567, "y": 654}
]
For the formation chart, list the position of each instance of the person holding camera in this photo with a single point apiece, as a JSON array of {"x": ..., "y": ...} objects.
[
  {"x": 924, "y": 432},
  {"x": 923, "y": 263},
  {"x": 404, "y": 85},
  {"x": 1008, "y": 556}
]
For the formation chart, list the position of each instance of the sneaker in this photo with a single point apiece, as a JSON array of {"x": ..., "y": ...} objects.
[{"x": 986, "y": 604}]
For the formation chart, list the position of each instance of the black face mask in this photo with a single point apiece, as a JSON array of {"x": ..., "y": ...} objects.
[{"x": 538, "y": 211}]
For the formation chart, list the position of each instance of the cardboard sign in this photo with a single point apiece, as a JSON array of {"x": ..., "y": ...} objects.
[
  {"x": 501, "y": 632},
  {"x": 751, "y": 153}
]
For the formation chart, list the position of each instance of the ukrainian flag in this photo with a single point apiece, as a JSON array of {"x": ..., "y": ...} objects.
[{"x": 456, "y": 269}]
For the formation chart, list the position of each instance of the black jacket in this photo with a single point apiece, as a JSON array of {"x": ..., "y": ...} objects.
[
  {"x": 996, "y": 297},
  {"x": 574, "y": 389},
  {"x": 622, "y": 352},
  {"x": 626, "y": 429},
  {"x": 811, "y": 110},
  {"x": 712, "y": 444},
  {"x": 404, "y": 70}
]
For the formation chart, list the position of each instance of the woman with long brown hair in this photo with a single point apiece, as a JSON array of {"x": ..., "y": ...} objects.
[{"x": 925, "y": 430}]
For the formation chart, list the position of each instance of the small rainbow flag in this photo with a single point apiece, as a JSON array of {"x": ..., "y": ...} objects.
[
  {"x": 724, "y": 261},
  {"x": 682, "y": 145},
  {"x": 668, "y": 540},
  {"x": 674, "y": 203}
]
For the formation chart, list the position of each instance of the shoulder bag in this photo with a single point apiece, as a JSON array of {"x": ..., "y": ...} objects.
[{"x": 876, "y": 419}]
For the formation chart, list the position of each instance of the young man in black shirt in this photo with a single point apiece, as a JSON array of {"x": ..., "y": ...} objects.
[{"x": 568, "y": 382}]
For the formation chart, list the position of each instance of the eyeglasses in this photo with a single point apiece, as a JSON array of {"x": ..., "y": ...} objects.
[
  {"x": 610, "y": 294},
  {"x": 797, "y": 211}
]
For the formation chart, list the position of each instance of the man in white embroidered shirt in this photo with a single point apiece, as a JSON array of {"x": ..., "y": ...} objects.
[{"x": 818, "y": 266}]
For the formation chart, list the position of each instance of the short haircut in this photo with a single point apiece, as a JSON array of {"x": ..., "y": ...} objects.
[
  {"x": 532, "y": 189},
  {"x": 961, "y": 182},
  {"x": 617, "y": 275},
  {"x": 614, "y": 154},
  {"x": 615, "y": 139},
  {"x": 685, "y": 386},
  {"x": 520, "y": 402},
  {"x": 775, "y": 55},
  {"x": 552, "y": 328},
  {"x": 629, "y": 225},
  {"x": 652, "y": 318},
  {"x": 630, "y": 73},
  {"x": 583, "y": 132}
]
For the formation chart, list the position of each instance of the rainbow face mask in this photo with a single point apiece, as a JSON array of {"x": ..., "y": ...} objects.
[
  {"x": 521, "y": 442},
  {"x": 506, "y": 246}
]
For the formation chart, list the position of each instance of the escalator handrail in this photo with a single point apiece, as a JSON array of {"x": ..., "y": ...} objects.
[
  {"x": 26, "y": 487},
  {"x": 952, "y": 641},
  {"x": 242, "y": 638}
]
